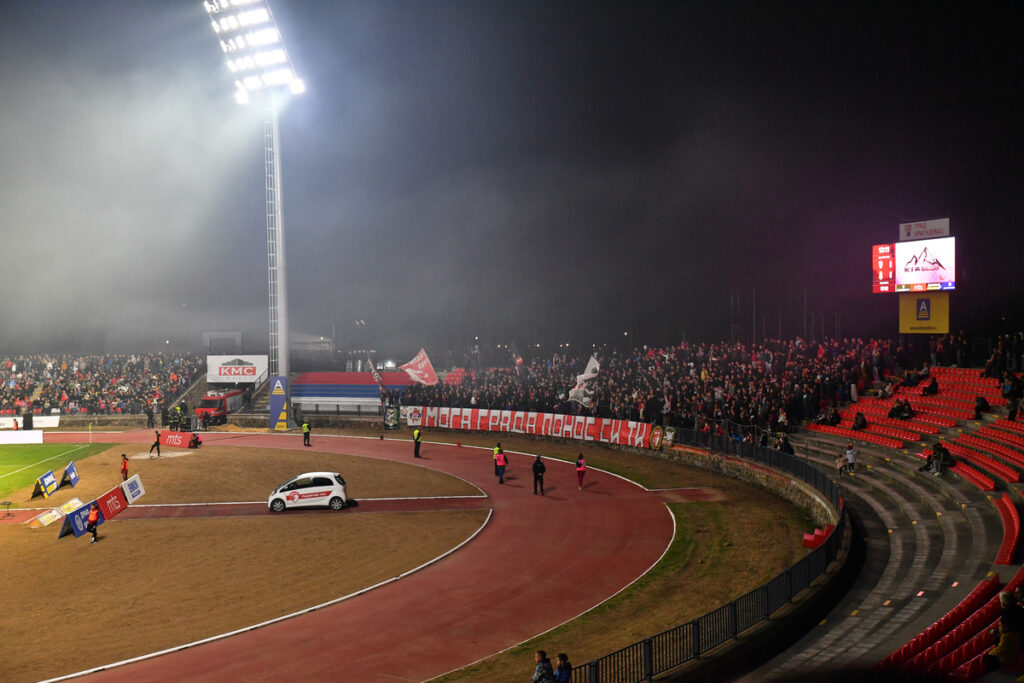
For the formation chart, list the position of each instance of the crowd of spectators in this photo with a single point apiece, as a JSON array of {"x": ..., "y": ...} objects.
[
  {"x": 733, "y": 387},
  {"x": 95, "y": 384},
  {"x": 771, "y": 386}
]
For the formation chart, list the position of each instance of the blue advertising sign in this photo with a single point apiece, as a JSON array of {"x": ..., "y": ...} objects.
[
  {"x": 279, "y": 403},
  {"x": 45, "y": 485},
  {"x": 76, "y": 520},
  {"x": 70, "y": 475}
]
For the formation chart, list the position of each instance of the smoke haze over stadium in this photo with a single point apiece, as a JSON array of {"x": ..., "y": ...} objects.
[{"x": 513, "y": 170}]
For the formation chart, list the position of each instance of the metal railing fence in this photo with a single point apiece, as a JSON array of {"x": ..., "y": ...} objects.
[{"x": 651, "y": 656}]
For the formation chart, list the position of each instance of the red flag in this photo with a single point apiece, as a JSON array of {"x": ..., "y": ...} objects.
[{"x": 420, "y": 369}]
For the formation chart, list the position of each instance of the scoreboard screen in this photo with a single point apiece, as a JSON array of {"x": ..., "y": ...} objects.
[{"x": 918, "y": 266}]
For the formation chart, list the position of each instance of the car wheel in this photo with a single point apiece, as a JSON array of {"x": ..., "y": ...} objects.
[
  {"x": 337, "y": 503},
  {"x": 277, "y": 505}
]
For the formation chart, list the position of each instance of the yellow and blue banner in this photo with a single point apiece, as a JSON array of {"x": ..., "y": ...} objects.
[
  {"x": 924, "y": 313},
  {"x": 45, "y": 485},
  {"x": 279, "y": 403}
]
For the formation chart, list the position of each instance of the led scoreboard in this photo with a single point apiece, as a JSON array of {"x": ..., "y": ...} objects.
[{"x": 918, "y": 266}]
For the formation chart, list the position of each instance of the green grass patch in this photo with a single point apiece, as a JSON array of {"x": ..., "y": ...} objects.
[{"x": 22, "y": 464}]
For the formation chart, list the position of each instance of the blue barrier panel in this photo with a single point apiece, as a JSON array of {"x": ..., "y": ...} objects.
[
  {"x": 75, "y": 521},
  {"x": 70, "y": 475}
]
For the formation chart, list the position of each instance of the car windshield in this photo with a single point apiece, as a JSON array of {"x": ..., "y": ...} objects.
[
  {"x": 209, "y": 403},
  {"x": 337, "y": 477}
]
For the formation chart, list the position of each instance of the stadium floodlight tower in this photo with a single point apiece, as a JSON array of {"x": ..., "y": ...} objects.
[{"x": 257, "y": 58}]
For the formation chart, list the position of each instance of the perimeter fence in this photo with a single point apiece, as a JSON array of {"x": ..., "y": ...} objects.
[{"x": 669, "y": 649}]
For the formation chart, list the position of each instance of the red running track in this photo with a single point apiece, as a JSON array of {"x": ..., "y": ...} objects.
[{"x": 539, "y": 562}]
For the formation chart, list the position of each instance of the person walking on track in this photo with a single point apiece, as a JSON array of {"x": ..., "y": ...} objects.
[
  {"x": 156, "y": 445},
  {"x": 93, "y": 521},
  {"x": 581, "y": 469},
  {"x": 417, "y": 437},
  {"x": 538, "y": 475},
  {"x": 305, "y": 432},
  {"x": 124, "y": 467},
  {"x": 500, "y": 462}
]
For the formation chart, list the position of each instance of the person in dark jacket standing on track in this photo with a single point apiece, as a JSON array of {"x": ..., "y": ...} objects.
[
  {"x": 305, "y": 432},
  {"x": 417, "y": 437},
  {"x": 538, "y": 475},
  {"x": 156, "y": 445}
]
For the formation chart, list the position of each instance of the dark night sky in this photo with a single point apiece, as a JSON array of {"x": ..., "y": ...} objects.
[{"x": 539, "y": 171}]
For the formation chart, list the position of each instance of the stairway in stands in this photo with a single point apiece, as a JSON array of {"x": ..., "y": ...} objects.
[{"x": 930, "y": 539}]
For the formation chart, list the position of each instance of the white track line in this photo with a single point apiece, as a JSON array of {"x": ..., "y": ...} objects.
[
  {"x": 307, "y": 610},
  {"x": 63, "y": 453}
]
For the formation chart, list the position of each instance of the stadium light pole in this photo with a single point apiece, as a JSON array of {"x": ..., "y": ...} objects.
[{"x": 256, "y": 56}]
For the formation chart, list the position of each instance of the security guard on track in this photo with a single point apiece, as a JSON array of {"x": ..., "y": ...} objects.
[
  {"x": 417, "y": 437},
  {"x": 305, "y": 432}
]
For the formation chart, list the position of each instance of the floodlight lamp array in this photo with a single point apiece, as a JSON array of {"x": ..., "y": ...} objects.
[{"x": 253, "y": 46}]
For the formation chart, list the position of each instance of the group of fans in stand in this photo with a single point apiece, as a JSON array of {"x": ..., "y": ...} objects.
[
  {"x": 745, "y": 392},
  {"x": 95, "y": 384}
]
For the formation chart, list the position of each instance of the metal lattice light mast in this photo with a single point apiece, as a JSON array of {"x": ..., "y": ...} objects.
[{"x": 256, "y": 55}]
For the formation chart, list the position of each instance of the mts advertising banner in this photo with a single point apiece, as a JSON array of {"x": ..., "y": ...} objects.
[
  {"x": 175, "y": 439},
  {"x": 922, "y": 230},
  {"x": 235, "y": 369},
  {"x": 924, "y": 313},
  {"x": 623, "y": 432}
]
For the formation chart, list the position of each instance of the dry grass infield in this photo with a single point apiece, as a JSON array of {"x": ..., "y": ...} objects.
[{"x": 151, "y": 584}]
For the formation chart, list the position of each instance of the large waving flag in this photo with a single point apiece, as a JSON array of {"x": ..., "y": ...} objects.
[
  {"x": 420, "y": 370},
  {"x": 581, "y": 392}
]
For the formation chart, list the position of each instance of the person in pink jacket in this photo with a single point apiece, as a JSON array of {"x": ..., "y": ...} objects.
[
  {"x": 500, "y": 462},
  {"x": 581, "y": 469}
]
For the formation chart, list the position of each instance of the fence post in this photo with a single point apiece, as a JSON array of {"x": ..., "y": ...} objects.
[
  {"x": 767, "y": 602},
  {"x": 594, "y": 671},
  {"x": 696, "y": 638},
  {"x": 789, "y": 585},
  {"x": 648, "y": 659},
  {"x": 733, "y": 620}
]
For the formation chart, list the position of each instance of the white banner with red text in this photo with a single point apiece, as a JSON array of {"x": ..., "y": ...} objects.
[
  {"x": 579, "y": 427},
  {"x": 236, "y": 369}
]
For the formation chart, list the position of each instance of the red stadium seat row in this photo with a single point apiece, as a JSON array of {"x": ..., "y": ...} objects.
[
  {"x": 943, "y": 406},
  {"x": 991, "y": 448},
  {"x": 964, "y": 395},
  {"x": 819, "y": 536},
  {"x": 1011, "y": 529},
  {"x": 1006, "y": 438},
  {"x": 879, "y": 415},
  {"x": 1008, "y": 426},
  {"x": 1002, "y": 470},
  {"x": 960, "y": 634},
  {"x": 944, "y": 624},
  {"x": 925, "y": 413},
  {"x": 963, "y": 374},
  {"x": 861, "y": 435},
  {"x": 977, "y": 645},
  {"x": 892, "y": 432},
  {"x": 983, "y": 482}
]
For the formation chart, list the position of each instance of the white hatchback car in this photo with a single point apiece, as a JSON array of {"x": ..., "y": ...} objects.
[{"x": 312, "y": 489}]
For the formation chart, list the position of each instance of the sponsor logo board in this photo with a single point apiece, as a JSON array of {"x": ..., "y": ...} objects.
[{"x": 234, "y": 368}]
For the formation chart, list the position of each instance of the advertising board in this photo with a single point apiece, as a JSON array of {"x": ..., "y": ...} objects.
[
  {"x": 235, "y": 369},
  {"x": 922, "y": 230},
  {"x": 919, "y": 266},
  {"x": 924, "y": 313}
]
